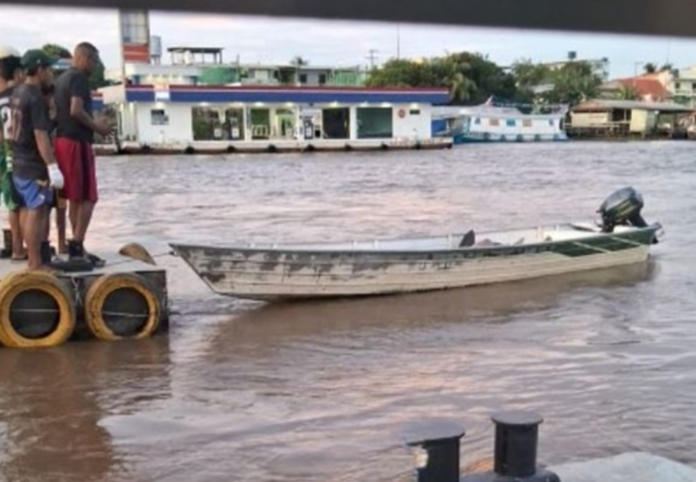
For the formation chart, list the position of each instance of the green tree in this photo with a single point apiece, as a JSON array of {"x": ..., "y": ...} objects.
[
  {"x": 405, "y": 73},
  {"x": 56, "y": 51},
  {"x": 488, "y": 78},
  {"x": 574, "y": 83},
  {"x": 627, "y": 92},
  {"x": 461, "y": 88},
  {"x": 451, "y": 72},
  {"x": 529, "y": 76},
  {"x": 650, "y": 68},
  {"x": 471, "y": 78},
  {"x": 97, "y": 78}
]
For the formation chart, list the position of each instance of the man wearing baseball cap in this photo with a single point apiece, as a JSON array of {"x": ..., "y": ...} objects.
[
  {"x": 35, "y": 170},
  {"x": 11, "y": 75}
]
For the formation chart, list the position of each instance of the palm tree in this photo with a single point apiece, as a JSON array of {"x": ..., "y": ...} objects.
[
  {"x": 460, "y": 85},
  {"x": 461, "y": 88},
  {"x": 650, "y": 68},
  {"x": 626, "y": 92}
]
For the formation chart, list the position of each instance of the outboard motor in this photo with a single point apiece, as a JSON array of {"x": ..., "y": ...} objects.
[{"x": 622, "y": 209}]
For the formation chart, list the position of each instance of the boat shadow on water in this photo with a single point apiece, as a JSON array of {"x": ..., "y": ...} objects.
[{"x": 267, "y": 322}]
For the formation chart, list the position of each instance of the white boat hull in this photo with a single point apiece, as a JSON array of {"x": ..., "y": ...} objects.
[{"x": 275, "y": 275}]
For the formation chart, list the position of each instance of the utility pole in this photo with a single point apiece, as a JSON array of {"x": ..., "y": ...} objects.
[
  {"x": 372, "y": 58},
  {"x": 398, "y": 41}
]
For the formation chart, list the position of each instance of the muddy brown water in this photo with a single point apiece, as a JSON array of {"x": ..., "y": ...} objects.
[{"x": 327, "y": 390}]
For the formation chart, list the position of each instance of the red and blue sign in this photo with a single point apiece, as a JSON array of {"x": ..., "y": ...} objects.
[
  {"x": 277, "y": 95},
  {"x": 97, "y": 101}
]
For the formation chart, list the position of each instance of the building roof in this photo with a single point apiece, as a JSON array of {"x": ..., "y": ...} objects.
[
  {"x": 647, "y": 87},
  {"x": 166, "y": 68},
  {"x": 604, "y": 105},
  {"x": 305, "y": 95}
]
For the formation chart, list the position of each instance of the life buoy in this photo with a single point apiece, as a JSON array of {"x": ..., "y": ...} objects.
[
  {"x": 402, "y": 113},
  {"x": 121, "y": 306},
  {"x": 36, "y": 311}
]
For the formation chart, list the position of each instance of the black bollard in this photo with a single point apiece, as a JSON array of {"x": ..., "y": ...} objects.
[
  {"x": 439, "y": 459},
  {"x": 516, "y": 441}
]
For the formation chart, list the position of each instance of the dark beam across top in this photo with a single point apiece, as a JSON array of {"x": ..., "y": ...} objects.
[{"x": 652, "y": 17}]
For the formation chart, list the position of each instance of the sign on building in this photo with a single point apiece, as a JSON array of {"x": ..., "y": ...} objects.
[{"x": 134, "y": 31}]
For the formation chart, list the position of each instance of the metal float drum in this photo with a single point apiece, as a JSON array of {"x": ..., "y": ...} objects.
[
  {"x": 36, "y": 310},
  {"x": 121, "y": 306}
]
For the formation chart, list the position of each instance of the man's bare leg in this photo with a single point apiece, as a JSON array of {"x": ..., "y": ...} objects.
[
  {"x": 84, "y": 217},
  {"x": 60, "y": 225},
  {"x": 73, "y": 212},
  {"x": 46, "y": 220},
  {"x": 34, "y": 228},
  {"x": 18, "y": 251}
]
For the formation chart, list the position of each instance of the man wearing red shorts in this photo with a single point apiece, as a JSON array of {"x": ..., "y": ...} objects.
[{"x": 73, "y": 144}]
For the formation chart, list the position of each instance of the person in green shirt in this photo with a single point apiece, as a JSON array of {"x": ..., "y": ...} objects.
[{"x": 11, "y": 75}]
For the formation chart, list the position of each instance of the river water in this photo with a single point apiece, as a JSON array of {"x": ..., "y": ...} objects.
[{"x": 328, "y": 391}]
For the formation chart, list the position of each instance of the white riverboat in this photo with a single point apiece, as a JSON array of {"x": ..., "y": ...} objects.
[{"x": 492, "y": 122}]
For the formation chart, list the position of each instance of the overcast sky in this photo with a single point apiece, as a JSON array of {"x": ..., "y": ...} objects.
[{"x": 257, "y": 39}]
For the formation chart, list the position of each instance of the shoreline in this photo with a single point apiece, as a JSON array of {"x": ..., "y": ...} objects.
[
  {"x": 271, "y": 147},
  {"x": 290, "y": 147}
]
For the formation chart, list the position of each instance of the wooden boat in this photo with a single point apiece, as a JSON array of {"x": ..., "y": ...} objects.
[{"x": 292, "y": 271}]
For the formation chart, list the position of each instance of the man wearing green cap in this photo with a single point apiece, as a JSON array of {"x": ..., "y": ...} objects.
[
  {"x": 35, "y": 170},
  {"x": 11, "y": 75}
]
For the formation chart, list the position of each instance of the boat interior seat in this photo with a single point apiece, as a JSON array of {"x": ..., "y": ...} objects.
[
  {"x": 586, "y": 227},
  {"x": 487, "y": 243},
  {"x": 550, "y": 236},
  {"x": 468, "y": 240}
]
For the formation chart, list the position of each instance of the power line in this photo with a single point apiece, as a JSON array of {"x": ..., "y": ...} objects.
[{"x": 372, "y": 58}]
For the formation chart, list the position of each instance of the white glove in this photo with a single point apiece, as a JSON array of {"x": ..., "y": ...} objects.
[{"x": 55, "y": 177}]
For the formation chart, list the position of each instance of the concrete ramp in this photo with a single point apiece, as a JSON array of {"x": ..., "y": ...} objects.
[{"x": 630, "y": 467}]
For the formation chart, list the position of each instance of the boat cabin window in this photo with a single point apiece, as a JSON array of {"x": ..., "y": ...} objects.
[
  {"x": 527, "y": 123},
  {"x": 511, "y": 123},
  {"x": 477, "y": 121},
  {"x": 414, "y": 112},
  {"x": 494, "y": 122},
  {"x": 551, "y": 122}
]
